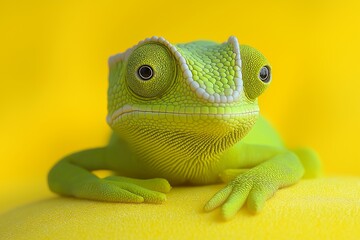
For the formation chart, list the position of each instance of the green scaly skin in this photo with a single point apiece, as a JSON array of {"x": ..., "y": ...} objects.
[{"x": 195, "y": 121}]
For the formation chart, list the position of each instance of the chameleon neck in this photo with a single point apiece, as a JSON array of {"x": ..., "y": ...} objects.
[{"x": 189, "y": 150}]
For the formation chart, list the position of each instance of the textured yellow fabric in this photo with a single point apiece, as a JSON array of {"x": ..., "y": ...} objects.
[{"x": 326, "y": 208}]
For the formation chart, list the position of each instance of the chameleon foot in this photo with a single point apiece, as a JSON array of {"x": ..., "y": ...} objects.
[{"x": 122, "y": 189}]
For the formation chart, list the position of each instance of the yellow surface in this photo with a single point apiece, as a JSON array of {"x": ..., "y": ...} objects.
[
  {"x": 53, "y": 73},
  {"x": 313, "y": 209}
]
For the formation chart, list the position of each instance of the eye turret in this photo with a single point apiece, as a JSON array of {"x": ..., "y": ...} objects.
[
  {"x": 151, "y": 70},
  {"x": 256, "y": 72}
]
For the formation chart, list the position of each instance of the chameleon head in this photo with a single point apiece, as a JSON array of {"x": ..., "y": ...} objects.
[{"x": 199, "y": 96}]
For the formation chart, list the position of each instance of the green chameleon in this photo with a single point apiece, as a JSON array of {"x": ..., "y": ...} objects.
[{"x": 186, "y": 114}]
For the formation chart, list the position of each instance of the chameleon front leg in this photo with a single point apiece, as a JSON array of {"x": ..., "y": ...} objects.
[
  {"x": 257, "y": 184},
  {"x": 72, "y": 177}
]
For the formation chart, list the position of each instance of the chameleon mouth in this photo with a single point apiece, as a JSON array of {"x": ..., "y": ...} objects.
[{"x": 215, "y": 112}]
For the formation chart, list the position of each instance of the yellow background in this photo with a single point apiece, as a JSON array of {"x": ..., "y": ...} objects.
[{"x": 53, "y": 73}]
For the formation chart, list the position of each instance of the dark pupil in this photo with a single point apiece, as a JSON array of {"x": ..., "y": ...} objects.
[
  {"x": 145, "y": 72},
  {"x": 264, "y": 74}
]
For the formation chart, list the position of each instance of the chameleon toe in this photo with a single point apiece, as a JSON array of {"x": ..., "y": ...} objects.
[{"x": 218, "y": 199}]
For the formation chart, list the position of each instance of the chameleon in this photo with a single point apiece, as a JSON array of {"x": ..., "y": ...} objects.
[{"x": 186, "y": 114}]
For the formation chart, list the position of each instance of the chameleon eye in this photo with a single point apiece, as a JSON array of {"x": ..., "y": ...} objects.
[
  {"x": 264, "y": 74},
  {"x": 145, "y": 72},
  {"x": 150, "y": 70}
]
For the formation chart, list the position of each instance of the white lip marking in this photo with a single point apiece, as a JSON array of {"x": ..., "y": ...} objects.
[{"x": 128, "y": 109}]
